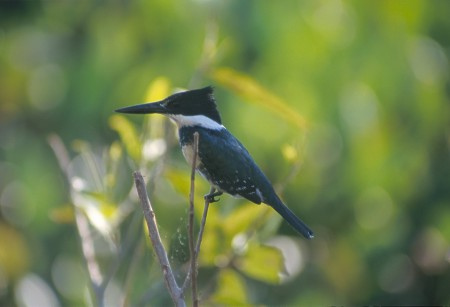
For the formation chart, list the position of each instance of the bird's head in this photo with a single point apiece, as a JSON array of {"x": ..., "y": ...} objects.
[{"x": 188, "y": 108}]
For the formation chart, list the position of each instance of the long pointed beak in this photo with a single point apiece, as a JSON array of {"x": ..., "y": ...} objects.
[{"x": 146, "y": 108}]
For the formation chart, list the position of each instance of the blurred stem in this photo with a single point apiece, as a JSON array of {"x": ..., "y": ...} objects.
[
  {"x": 82, "y": 224},
  {"x": 175, "y": 292},
  {"x": 209, "y": 53},
  {"x": 87, "y": 246}
]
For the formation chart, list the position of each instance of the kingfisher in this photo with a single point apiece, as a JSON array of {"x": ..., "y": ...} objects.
[{"x": 221, "y": 159}]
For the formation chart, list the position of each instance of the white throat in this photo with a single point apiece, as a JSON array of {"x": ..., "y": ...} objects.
[{"x": 195, "y": 120}]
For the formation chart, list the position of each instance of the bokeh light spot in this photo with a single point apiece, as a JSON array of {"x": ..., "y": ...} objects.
[
  {"x": 397, "y": 274},
  {"x": 33, "y": 291},
  {"x": 294, "y": 259},
  {"x": 431, "y": 252},
  {"x": 428, "y": 60},
  {"x": 154, "y": 148},
  {"x": 358, "y": 108}
]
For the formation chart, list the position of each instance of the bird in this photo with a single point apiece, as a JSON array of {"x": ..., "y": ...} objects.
[{"x": 221, "y": 158}]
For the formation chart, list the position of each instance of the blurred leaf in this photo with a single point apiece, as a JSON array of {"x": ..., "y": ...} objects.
[
  {"x": 241, "y": 219},
  {"x": 98, "y": 196},
  {"x": 213, "y": 246},
  {"x": 128, "y": 135},
  {"x": 63, "y": 214},
  {"x": 180, "y": 180},
  {"x": 102, "y": 213},
  {"x": 14, "y": 253},
  {"x": 158, "y": 89},
  {"x": 97, "y": 219},
  {"x": 249, "y": 89},
  {"x": 115, "y": 153},
  {"x": 230, "y": 290},
  {"x": 107, "y": 208},
  {"x": 263, "y": 263},
  {"x": 346, "y": 262}
]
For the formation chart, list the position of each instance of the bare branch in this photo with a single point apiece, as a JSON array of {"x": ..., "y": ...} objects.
[
  {"x": 193, "y": 267},
  {"x": 199, "y": 239},
  {"x": 203, "y": 223},
  {"x": 169, "y": 278}
]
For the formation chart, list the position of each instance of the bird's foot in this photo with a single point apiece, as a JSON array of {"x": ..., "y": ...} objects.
[{"x": 211, "y": 197}]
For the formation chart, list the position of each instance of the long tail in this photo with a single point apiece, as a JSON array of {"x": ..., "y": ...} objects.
[{"x": 292, "y": 219}]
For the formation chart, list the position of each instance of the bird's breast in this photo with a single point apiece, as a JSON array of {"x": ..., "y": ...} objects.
[{"x": 188, "y": 153}]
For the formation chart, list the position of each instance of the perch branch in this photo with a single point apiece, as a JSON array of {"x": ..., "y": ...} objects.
[
  {"x": 193, "y": 267},
  {"x": 203, "y": 223},
  {"x": 175, "y": 292},
  {"x": 199, "y": 238}
]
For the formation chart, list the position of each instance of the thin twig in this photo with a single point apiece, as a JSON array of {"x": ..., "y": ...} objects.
[
  {"x": 203, "y": 223},
  {"x": 199, "y": 239},
  {"x": 169, "y": 278},
  {"x": 82, "y": 224},
  {"x": 193, "y": 268},
  {"x": 87, "y": 247}
]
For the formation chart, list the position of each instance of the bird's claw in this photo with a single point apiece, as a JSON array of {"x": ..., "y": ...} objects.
[{"x": 211, "y": 198}]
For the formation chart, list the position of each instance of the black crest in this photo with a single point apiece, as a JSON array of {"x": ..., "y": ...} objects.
[{"x": 194, "y": 102}]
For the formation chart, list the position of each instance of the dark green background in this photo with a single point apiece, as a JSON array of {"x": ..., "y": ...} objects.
[{"x": 371, "y": 79}]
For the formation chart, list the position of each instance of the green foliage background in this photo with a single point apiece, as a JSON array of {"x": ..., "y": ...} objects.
[{"x": 344, "y": 105}]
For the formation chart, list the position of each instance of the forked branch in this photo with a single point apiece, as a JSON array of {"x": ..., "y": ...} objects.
[{"x": 175, "y": 292}]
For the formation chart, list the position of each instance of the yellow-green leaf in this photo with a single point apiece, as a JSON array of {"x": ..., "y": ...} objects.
[
  {"x": 153, "y": 126},
  {"x": 15, "y": 252},
  {"x": 242, "y": 218},
  {"x": 128, "y": 135},
  {"x": 230, "y": 290},
  {"x": 214, "y": 246},
  {"x": 158, "y": 89},
  {"x": 263, "y": 263},
  {"x": 181, "y": 181},
  {"x": 249, "y": 89},
  {"x": 115, "y": 153}
]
